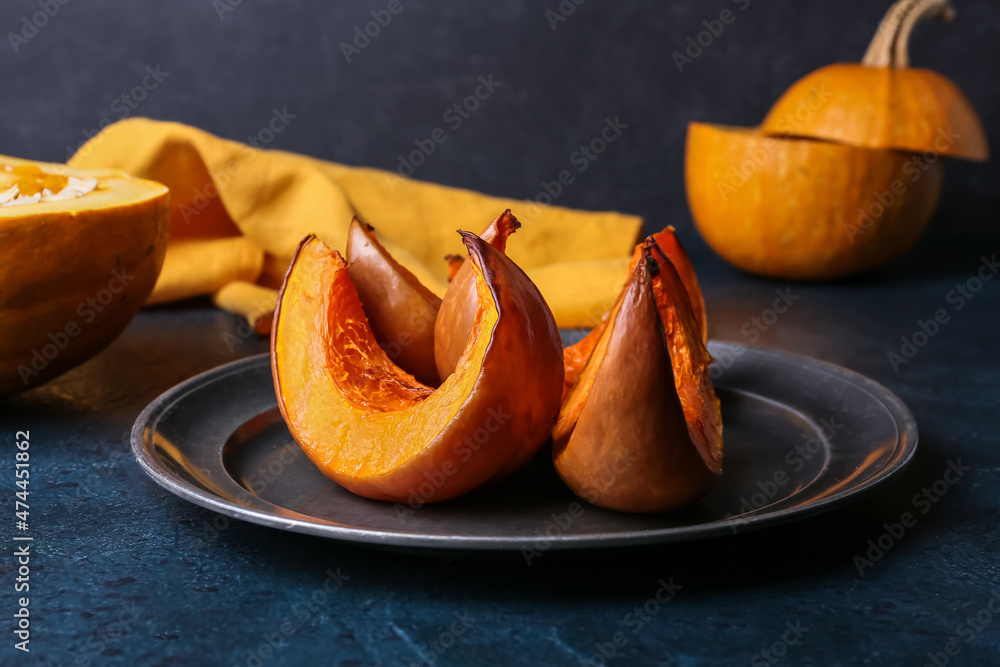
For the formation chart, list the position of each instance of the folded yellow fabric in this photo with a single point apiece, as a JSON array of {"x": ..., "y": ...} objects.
[{"x": 223, "y": 190}]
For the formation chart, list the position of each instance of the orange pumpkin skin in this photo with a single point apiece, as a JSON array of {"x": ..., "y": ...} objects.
[
  {"x": 805, "y": 210},
  {"x": 454, "y": 322},
  {"x": 622, "y": 440},
  {"x": 400, "y": 310},
  {"x": 901, "y": 108},
  {"x": 74, "y": 273},
  {"x": 374, "y": 429}
]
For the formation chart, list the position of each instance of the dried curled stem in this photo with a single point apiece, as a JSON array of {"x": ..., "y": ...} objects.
[{"x": 890, "y": 46}]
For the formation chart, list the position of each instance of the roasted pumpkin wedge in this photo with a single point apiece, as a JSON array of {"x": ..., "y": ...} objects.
[
  {"x": 454, "y": 322},
  {"x": 641, "y": 430},
  {"x": 575, "y": 356},
  {"x": 375, "y": 429},
  {"x": 400, "y": 310},
  {"x": 80, "y": 250}
]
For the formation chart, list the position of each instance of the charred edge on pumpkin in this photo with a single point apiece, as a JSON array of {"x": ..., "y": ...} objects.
[
  {"x": 652, "y": 264},
  {"x": 364, "y": 225},
  {"x": 511, "y": 220},
  {"x": 685, "y": 296}
]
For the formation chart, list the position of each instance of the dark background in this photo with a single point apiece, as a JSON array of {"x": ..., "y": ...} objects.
[
  {"x": 208, "y": 601},
  {"x": 606, "y": 59}
]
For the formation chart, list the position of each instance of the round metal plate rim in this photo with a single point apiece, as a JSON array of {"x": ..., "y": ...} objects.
[{"x": 148, "y": 460}]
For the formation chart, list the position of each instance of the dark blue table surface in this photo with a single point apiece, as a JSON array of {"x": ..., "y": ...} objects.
[{"x": 123, "y": 572}]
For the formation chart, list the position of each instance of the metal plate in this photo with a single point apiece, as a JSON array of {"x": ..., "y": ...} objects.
[{"x": 801, "y": 436}]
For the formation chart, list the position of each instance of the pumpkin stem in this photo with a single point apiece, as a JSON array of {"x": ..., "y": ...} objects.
[
  {"x": 889, "y": 47},
  {"x": 926, "y": 9}
]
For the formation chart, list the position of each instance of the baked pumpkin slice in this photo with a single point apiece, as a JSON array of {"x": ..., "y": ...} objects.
[
  {"x": 80, "y": 251},
  {"x": 641, "y": 430},
  {"x": 372, "y": 427}
]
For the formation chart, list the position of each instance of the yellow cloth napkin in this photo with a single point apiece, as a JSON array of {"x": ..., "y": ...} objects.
[{"x": 239, "y": 212}]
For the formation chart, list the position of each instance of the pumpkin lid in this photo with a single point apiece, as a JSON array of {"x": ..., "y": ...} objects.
[{"x": 882, "y": 102}]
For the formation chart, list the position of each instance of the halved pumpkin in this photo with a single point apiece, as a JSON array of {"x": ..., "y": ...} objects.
[
  {"x": 803, "y": 209},
  {"x": 400, "y": 310},
  {"x": 373, "y": 428},
  {"x": 641, "y": 430},
  {"x": 80, "y": 250}
]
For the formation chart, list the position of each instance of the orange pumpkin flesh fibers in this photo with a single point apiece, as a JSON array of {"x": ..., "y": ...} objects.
[
  {"x": 400, "y": 310},
  {"x": 882, "y": 102},
  {"x": 453, "y": 325},
  {"x": 375, "y": 429},
  {"x": 623, "y": 440}
]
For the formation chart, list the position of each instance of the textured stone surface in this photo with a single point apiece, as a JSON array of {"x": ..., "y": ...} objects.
[{"x": 193, "y": 588}]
